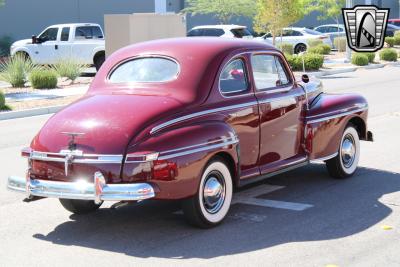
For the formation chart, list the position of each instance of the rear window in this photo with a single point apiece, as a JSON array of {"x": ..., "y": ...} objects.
[
  {"x": 213, "y": 32},
  {"x": 195, "y": 32},
  {"x": 239, "y": 33},
  {"x": 150, "y": 69},
  {"x": 88, "y": 32}
]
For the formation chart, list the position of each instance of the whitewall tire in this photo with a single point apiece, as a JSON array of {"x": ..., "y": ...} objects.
[
  {"x": 346, "y": 161},
  {"x": 211, "y": 204}
]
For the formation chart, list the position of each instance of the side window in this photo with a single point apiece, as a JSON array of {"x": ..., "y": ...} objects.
[
  {"x": 65, "y": 34},
  {"x": 297, "y": 33},
  {"x": 213, "y": 32},
  {"x": 88, "y": 32},
  {"x": 233, "y": 77},
  {"x": 268, "y": 72},
  {"x": 195, "y": 32},
  {"x": 49, "y": 35},
  {"x": 264, "y": 71},
  {"x": 282, "y": 72},
  {"x": 321, "y": 29}
]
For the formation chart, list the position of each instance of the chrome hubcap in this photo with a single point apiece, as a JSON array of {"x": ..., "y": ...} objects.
[
  {"x": 348, "y": 151},
  {"x": 214, "y": 192}
]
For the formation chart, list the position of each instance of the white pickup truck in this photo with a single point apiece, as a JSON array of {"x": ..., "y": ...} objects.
[{"x": 80, "y": 41}]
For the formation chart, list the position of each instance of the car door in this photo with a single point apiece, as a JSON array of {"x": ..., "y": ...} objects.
[
  {"x": 44, "y": 52},
  {"x": 64, "y": 44},
  {"x": 86, "y": 39},
  {"x": 280, "y": 108}
]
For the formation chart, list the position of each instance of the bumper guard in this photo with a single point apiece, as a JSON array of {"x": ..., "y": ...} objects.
[{"x": 98, "y": 191}]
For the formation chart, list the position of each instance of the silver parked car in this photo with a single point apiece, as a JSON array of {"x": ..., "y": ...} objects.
[{"x": 332, "y": 30}]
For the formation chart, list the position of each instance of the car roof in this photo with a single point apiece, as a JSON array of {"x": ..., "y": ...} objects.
[
  {"x": 330, "y": 25},
  {"x": 74, "y": 25},
  {"x": 199, "y": 60},
  {"x": 222, "y": 26}
]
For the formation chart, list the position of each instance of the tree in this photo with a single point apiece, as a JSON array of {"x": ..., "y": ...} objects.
[
  {"x": 329, "y": 9},
  {"x": 224, "y": 10},
  {"x": 1, "y": 3},
  {"x": 274, "y": 15}
]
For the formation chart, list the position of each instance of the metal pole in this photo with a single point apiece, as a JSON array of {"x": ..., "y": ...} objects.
[{"x": 349, "y": 4}]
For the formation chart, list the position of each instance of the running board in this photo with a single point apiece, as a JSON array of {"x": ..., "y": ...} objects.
[{"x": 268, "y": 175}]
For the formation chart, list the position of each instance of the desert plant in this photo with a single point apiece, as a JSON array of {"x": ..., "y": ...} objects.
[
  {"x": 370, "y": 56},
  {"x": 396, "y": 40},
  {"x": 2, "y": 100},
  {"x": 389, "y": 41},
  {"x": 16, "y": 70},
  {"x": 70, "y": 68},
  {"x": 388, "y": 54},
  {"x": 340, "y": 43},
  {"x": 286, "y": 48},
  {"x": 359, "y": 59},
  {"x": 311, "y": 61},
  {"x": 43, "y": 79},
  {"x": 396, "y": 33},
  {"x": 322, "y": 49},
  {"x": 5, "y": 44},
  {"x": 314, "y": 42}
]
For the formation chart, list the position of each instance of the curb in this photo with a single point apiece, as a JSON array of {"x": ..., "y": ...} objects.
[
  {"x": 320, "y": 74},
  {"x": 29, "y": 112}
]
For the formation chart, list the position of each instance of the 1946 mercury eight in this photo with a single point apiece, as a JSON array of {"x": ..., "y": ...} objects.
[{"x": 190, "y": 119}]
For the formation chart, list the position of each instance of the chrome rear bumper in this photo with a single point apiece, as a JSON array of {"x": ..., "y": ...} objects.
[{"x": 97, "y": 191}]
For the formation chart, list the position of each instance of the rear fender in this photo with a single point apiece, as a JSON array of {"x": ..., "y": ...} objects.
[
  {"x": 183, "y": 154},
  {"x": 326, "y": 120}
]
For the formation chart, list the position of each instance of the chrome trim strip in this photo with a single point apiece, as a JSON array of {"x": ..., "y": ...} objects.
[
  {"x": 83, "y": 158},
  {"x": 341, "y": 111},
  {"x": 326, "y": 158},
  {"x": 82, "y": 190},
  {"x": 200, "y": 149},
  {"x": 205, "y": 112},
  {"x": 200, "y": 113},
  {"x": 336, "y": 116}
]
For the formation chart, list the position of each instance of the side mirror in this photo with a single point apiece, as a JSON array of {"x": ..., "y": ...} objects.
[
  {"x": 305, "y": 78},
  {"x": 34, "y": 39}
]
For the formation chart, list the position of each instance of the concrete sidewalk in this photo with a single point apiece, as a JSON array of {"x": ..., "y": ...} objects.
[{"x": 46, "y": 94}]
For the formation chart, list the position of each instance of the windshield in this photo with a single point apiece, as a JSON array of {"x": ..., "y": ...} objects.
[{"x": 150, "y": 69}]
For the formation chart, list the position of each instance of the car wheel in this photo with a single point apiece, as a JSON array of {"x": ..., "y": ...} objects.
[
  {"x": 98, "y": 61},
  {"x": 300, "y": 48},
  {"x": 79, "y": 206},
  {"x": 345, "y": 163},
  {"x": 211, "y": 204}
]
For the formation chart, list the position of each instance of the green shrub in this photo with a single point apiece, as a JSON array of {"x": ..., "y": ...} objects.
[
  {"x": 2, "y": 100},
  {"x": 43, "y": 79},
  {"x": 340, "y": 43},
  {"x": 396, "y": 33},
  {"x": 286, "y": 48},
  {"x": 322, "y": 49},
  {"x": 311, "y": 61},
  {"x": 370, "y": 56},
  {"x": 314, "y": 42},
  {"x": 359, "y": 59},
  {"x": 70, "y": 68},
  {"x": 5, "y": 44},
  {"x": 397, "y": 40},
  {"x": 389, "y": 41},
  {"x": 388, "y": 54},
  {"x": 16, "y": 70}
]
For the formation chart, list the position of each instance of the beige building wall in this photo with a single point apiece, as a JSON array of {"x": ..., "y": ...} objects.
[{"x": 123, "y": 30}]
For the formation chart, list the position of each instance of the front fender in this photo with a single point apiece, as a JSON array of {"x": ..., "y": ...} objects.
[
  {"x": 327, "y": 118},
  {"x": 183, "y": 154}
]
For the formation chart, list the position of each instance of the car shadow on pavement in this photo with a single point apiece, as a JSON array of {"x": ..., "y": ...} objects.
[{"x": 341, "y": 208}]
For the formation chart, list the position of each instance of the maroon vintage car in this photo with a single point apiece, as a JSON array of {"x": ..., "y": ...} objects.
[{"x": 190, "y": 119}]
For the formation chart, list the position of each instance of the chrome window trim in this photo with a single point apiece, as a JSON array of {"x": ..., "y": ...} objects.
[
  {"x": 140, "y": 57},
  {"x": 247, "y": 91},
  {"x": 278, "y": 89},
  {"x": 336, "y": 116}
]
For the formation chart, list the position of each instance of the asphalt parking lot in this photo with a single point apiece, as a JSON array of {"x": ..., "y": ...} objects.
[{"x": 300, "y": 218}]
